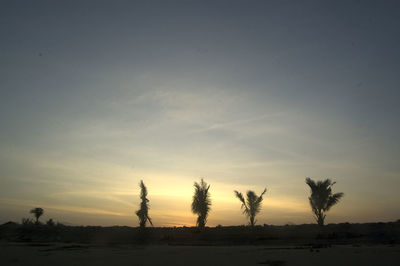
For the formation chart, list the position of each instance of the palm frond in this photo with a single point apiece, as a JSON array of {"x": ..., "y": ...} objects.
[
  {"x": 311, "y": 183},
  {"x": 260, "y": 198},
  {"x": 143, "y": 190},
  {"x": 149, "y": 219},
  {"x": 334, "y": 199},
  {"x": 240, "y": 197}
]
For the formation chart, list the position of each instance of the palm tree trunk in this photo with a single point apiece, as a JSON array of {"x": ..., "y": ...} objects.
[
  {"x": 201, "y": 221},
  {"x": 252, "y": 221},
  {"x": 320, "y": 218}
]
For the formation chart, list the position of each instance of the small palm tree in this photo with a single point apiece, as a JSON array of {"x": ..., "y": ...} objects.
[
  {"x": 143, "y": 212},
  {"x": 322, "y": 199},
  {"x": 252, "y": 205},
  {"x": 37, "y": 212},
  {"x": 201, "y": 202}
]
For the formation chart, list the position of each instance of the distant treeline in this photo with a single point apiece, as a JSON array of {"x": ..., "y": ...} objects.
[{"x": 297, "y": 235}]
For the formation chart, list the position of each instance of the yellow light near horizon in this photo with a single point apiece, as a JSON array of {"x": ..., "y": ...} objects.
[{"x": 117, "y": 199}]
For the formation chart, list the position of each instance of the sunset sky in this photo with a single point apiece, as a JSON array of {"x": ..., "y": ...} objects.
[{"x": 97, "y": 95}]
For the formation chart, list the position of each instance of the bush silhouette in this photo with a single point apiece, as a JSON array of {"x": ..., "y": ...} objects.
[
  {"x": 201, "y": 202},
  {"x": 143, "y": 212},
  {"x": 322, "y": 199},
  {"x": 50, "y": 222},
  {"x": 37, "y": 212},
  {"x": 27, "y": 221},
  {"x": 252, "y": 205}
]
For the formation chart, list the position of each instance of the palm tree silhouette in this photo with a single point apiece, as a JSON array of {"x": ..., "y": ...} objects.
[
  {"x": 37, "y": 212},
  {"x": 252, "y": 205},
  {"x": 322, "y": 199},
  {"x": 143, "y": 212},
  {"x": 201, "y": 202}
]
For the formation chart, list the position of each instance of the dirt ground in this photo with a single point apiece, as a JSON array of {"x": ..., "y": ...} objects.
[{"x": 78, "y": 254}]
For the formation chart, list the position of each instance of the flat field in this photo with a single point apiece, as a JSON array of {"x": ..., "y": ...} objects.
[
  {"x": 80, "y": 254},
  {"x": 334, "y": 244}
]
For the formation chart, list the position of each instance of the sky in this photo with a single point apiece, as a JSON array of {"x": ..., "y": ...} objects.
[{"x": 98, "y": 95}]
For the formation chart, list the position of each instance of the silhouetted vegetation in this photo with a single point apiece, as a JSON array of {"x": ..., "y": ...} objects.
[
  {"x": 143, "y": 212},
  {"x": 201, "y": 202},
  {"x": 252, "y": 205},
  {"x": 27, "y": 221},
  {"x": 299, "y": 235},
  {"x": 322, "y": 199},
  {"x": 37, "y": 212},
  {"x": 50, "y": 222}
]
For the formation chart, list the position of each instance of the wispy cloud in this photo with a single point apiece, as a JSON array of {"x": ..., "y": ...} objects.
[
  {"x": 68, "y": 208},
  {"x": 230, "y": 124}
]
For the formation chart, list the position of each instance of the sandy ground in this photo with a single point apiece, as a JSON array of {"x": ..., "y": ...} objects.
[{"x": 71, "y": 254}]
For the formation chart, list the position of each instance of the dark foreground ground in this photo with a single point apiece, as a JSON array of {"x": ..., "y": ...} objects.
[
  {"x": 334, "y": 244},
  {"x": 306, "y": 234},
  {"x": 81, "y": 254}
]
